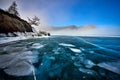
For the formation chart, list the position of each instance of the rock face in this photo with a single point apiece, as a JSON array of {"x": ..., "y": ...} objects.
[{"x": 10, "y": 23}]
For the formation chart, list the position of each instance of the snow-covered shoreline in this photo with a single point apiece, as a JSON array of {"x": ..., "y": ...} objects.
[{"x": 10, "y": 39}]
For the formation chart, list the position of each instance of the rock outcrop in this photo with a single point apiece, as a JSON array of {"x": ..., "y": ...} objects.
[{"x": 10, "y": 23}]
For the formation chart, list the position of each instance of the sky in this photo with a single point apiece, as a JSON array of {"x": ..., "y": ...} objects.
[{"x": 101, "y": 13}]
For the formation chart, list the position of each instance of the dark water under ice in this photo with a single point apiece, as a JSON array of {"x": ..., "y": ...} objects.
[{"x": 61, "y": 58}]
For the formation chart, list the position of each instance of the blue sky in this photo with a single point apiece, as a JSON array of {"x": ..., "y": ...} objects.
[
  {"x": 80, "y": 12},
  {"x": 73, "y": 12}
]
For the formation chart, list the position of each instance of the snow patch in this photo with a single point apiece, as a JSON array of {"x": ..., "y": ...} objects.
[{"x": 9, "y": 39}]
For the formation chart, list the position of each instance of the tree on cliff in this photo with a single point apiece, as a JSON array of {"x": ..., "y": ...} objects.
[
  {"x": 34, "y": 21},
  {"x": 13, "y": 9}
]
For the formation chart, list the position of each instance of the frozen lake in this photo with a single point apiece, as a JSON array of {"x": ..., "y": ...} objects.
[{"x": 61, "y": 58}]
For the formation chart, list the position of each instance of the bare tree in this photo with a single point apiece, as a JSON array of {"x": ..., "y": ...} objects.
[
  {"x": 13, "y": 9},
  {"x": 34, "y": 21}
]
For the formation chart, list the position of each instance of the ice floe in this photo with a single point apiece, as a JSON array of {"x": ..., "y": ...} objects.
[
  {"x": 67, "y": 45},
  {"x": 75, "y": 50}
]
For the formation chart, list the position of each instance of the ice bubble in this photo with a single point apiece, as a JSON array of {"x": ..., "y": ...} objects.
[
  {"x": 68, "y": 45},
  {"x": 75, "y": 50}
]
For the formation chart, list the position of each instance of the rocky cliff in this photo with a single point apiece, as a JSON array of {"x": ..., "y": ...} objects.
[{"x": 10, "y": 23}]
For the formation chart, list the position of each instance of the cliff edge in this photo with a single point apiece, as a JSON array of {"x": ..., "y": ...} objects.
[{"x": 10, "y": 23}]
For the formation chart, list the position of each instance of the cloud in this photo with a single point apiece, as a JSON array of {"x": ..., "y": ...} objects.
[{"x": 85, "y": 31}]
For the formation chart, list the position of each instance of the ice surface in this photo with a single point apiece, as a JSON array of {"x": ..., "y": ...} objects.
[
  {"x": 81, "y": 61},
  {"x": 5, "y": 60},
  {"x": 68, "y": 45},
  {"x": 18, "y": 63}
]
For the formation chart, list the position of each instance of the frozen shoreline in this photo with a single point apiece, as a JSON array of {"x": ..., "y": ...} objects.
[{"x": 10, "y": 39}]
